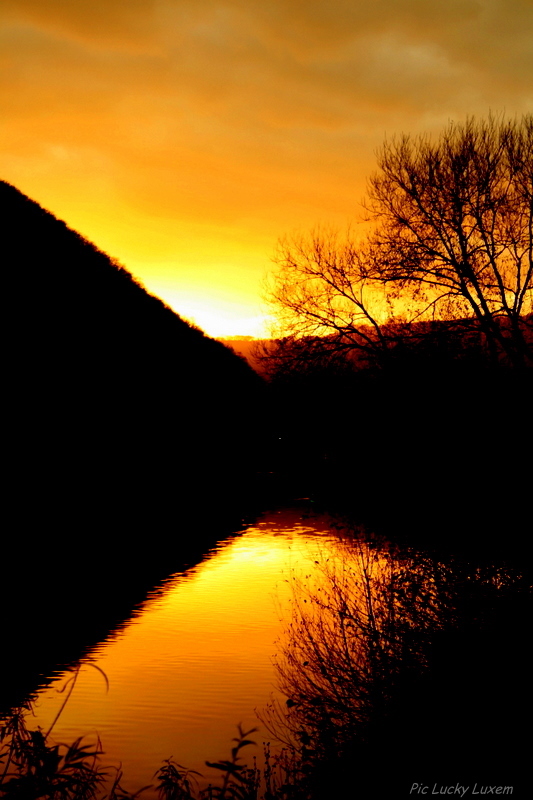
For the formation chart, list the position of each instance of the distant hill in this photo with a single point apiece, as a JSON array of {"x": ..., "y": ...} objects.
[{"x": 246, "y": 347}]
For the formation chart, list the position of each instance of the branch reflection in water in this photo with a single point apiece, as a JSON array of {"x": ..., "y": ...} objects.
[{"x": 396, "y": 664}]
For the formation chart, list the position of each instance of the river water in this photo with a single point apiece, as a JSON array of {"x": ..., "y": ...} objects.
[{"x": 196, "y": 659}]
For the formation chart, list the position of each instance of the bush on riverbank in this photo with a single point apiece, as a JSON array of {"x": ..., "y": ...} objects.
[{"x": 401, "y": 667}]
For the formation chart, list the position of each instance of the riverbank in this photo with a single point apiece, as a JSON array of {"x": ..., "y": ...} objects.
[{"x": 435, "y": 657}]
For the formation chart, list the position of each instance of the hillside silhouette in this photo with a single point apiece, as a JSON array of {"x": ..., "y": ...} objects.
[
  {"x": 94, "y": 362},
  {"x": 128, "y": 433}
]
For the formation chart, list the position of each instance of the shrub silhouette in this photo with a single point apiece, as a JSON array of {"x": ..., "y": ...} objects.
[{"x": 398, "y": 664}]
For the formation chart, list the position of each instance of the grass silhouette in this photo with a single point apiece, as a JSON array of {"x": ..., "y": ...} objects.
[{"x": 32, "y": 766}]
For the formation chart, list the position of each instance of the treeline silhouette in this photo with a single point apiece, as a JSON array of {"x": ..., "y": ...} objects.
[
  {"x": 448, "y": 344},
  {"x": 432, "y": 445},
  {"x": 130, "y": 437}
]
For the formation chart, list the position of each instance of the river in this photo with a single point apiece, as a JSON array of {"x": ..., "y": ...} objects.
[
  {"x": 196, "y": 658},
  {"x": 401, "y": 645}
]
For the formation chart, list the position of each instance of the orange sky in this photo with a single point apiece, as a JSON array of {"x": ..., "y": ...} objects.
[{"x": 184, "y": 136}]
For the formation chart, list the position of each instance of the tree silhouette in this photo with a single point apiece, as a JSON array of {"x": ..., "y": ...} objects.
[{"x": 451, "y": 242}]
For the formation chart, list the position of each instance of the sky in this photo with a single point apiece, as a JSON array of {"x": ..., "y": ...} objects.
[{"x": 184, "y": 137}]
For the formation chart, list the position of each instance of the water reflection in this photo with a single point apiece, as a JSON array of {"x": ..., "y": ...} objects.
[
  {"x": 197, "y": 658},
  {"x": 387, "y": 658}
]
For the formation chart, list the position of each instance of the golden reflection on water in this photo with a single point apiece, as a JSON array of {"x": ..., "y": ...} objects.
[{"x": 197, "y": 660}]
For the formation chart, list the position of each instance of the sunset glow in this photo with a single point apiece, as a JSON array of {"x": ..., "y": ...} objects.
[{"x": 183, "y": 138}]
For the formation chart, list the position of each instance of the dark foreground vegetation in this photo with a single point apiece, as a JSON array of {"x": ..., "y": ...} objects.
[{"x": 33, "y": 767}]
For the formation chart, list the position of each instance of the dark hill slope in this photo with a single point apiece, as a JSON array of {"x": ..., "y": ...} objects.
[
  {"x": 114, "y": 402},
  {"x": 128, "y": 441}
]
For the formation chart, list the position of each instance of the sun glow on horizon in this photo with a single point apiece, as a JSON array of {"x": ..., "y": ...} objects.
[{"x": 217, "y": 316}]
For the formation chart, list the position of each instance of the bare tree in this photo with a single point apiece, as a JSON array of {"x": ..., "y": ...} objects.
[
  {"x": 329, "y": 301},
  {"x": 452, "y": 240},
  {"x": 455, "y": 225}
]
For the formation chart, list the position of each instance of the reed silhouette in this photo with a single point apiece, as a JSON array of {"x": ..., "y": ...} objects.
[{"x": 34, "y": 766}]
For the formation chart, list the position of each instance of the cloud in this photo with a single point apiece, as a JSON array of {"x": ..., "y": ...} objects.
[
  {"x": 281, "y": 63},
  {"x": 122, "y": 24},
  {"x": 239, "y": 118}
]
